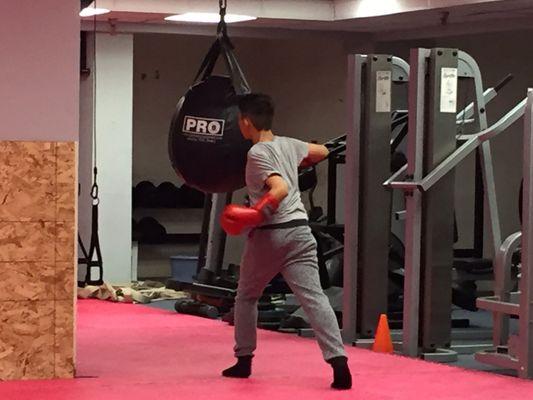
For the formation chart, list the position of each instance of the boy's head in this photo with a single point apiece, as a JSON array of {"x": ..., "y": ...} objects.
[{"x": 256, "y": 114}]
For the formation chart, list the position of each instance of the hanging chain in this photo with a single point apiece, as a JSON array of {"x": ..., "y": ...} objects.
[
  {"x": 223, "y": 5},
  {"x": 221, "y": 29}
]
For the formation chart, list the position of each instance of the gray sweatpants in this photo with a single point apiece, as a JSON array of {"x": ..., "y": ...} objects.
[{"x": 291, "y": 252}]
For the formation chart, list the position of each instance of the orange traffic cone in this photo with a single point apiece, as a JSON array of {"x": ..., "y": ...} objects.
[{"x": 383, "y": 340}]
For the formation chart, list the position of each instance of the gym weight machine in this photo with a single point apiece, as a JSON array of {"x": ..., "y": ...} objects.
[
  {"x": 429, "y": 190},
  {"x": 367, "y": 224}
]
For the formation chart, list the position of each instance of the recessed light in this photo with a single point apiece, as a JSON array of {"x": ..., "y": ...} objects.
[
  {"x": 91, "y": 11},
  {"x": 208, "y": 18}
]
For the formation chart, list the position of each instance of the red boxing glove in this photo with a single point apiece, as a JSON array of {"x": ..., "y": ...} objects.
[
  {"x": 235, "y": 218},
  {"x": 230, "y": 226}
]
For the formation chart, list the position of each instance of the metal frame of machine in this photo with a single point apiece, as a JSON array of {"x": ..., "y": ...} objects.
[
  {"x": 515, "y": 351},
  {"x": 367, "y": 218}
]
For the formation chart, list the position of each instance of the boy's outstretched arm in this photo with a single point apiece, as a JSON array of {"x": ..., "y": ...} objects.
[{"x": 317, "y": 152}]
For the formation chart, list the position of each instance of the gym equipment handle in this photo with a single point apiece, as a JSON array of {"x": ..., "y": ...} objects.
[
  {"x": 503, "y": 82},
  {"x": 336, "y": 146}
]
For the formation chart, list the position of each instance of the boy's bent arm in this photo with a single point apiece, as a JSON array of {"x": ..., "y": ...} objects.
[
  {"x": 236, "y": 218},
  {"x": 316, "y": 153},
  {"x": 278, "y": 187}
]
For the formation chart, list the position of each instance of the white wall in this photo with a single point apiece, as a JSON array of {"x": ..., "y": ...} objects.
[
  {"x": 114, "y": 77},
  {"x": 39, "y": 74}
]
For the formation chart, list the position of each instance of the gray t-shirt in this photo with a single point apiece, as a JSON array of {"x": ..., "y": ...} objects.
[{"x": 282, "y": 156}]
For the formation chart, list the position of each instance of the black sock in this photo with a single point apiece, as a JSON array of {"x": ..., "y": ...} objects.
[
  {"x": 242, "y": 369},
  {"x": 342, "y": 378}
]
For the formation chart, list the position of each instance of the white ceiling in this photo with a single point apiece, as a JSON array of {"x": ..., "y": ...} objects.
[{"x": 387, "y": 19}]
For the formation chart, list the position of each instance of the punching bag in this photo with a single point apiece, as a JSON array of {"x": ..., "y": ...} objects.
[{"x": 206, "y": 147}]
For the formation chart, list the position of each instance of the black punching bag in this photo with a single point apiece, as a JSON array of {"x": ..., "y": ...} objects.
[{"x": 206, "y": 147}]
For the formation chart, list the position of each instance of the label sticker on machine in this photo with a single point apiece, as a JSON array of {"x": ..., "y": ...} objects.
[
  {"x": 383, "y": 91},
  {"x": 448, "y": 90}
]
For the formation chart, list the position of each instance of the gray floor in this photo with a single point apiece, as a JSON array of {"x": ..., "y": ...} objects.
[
  {"x": 167, "y": 305},
  {"x": 481, "y": 320}
]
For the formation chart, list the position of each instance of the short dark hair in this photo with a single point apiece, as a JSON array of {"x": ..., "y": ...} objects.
[{"x": 259, "y": 108}]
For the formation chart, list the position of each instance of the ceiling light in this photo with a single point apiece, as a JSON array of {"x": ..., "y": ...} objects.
[
  {"x": 91, "y": 11},
  {"x": 373, "y": 8},
  {"x": 209, "y": 18}
]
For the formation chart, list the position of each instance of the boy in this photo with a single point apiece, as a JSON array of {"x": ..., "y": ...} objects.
[{"x": 279, "y": 239}]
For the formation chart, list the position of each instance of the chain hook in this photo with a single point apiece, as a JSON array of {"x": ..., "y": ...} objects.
[
  {"x": 222, "y": 29},
  {"x": 94, "y": 188}
]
